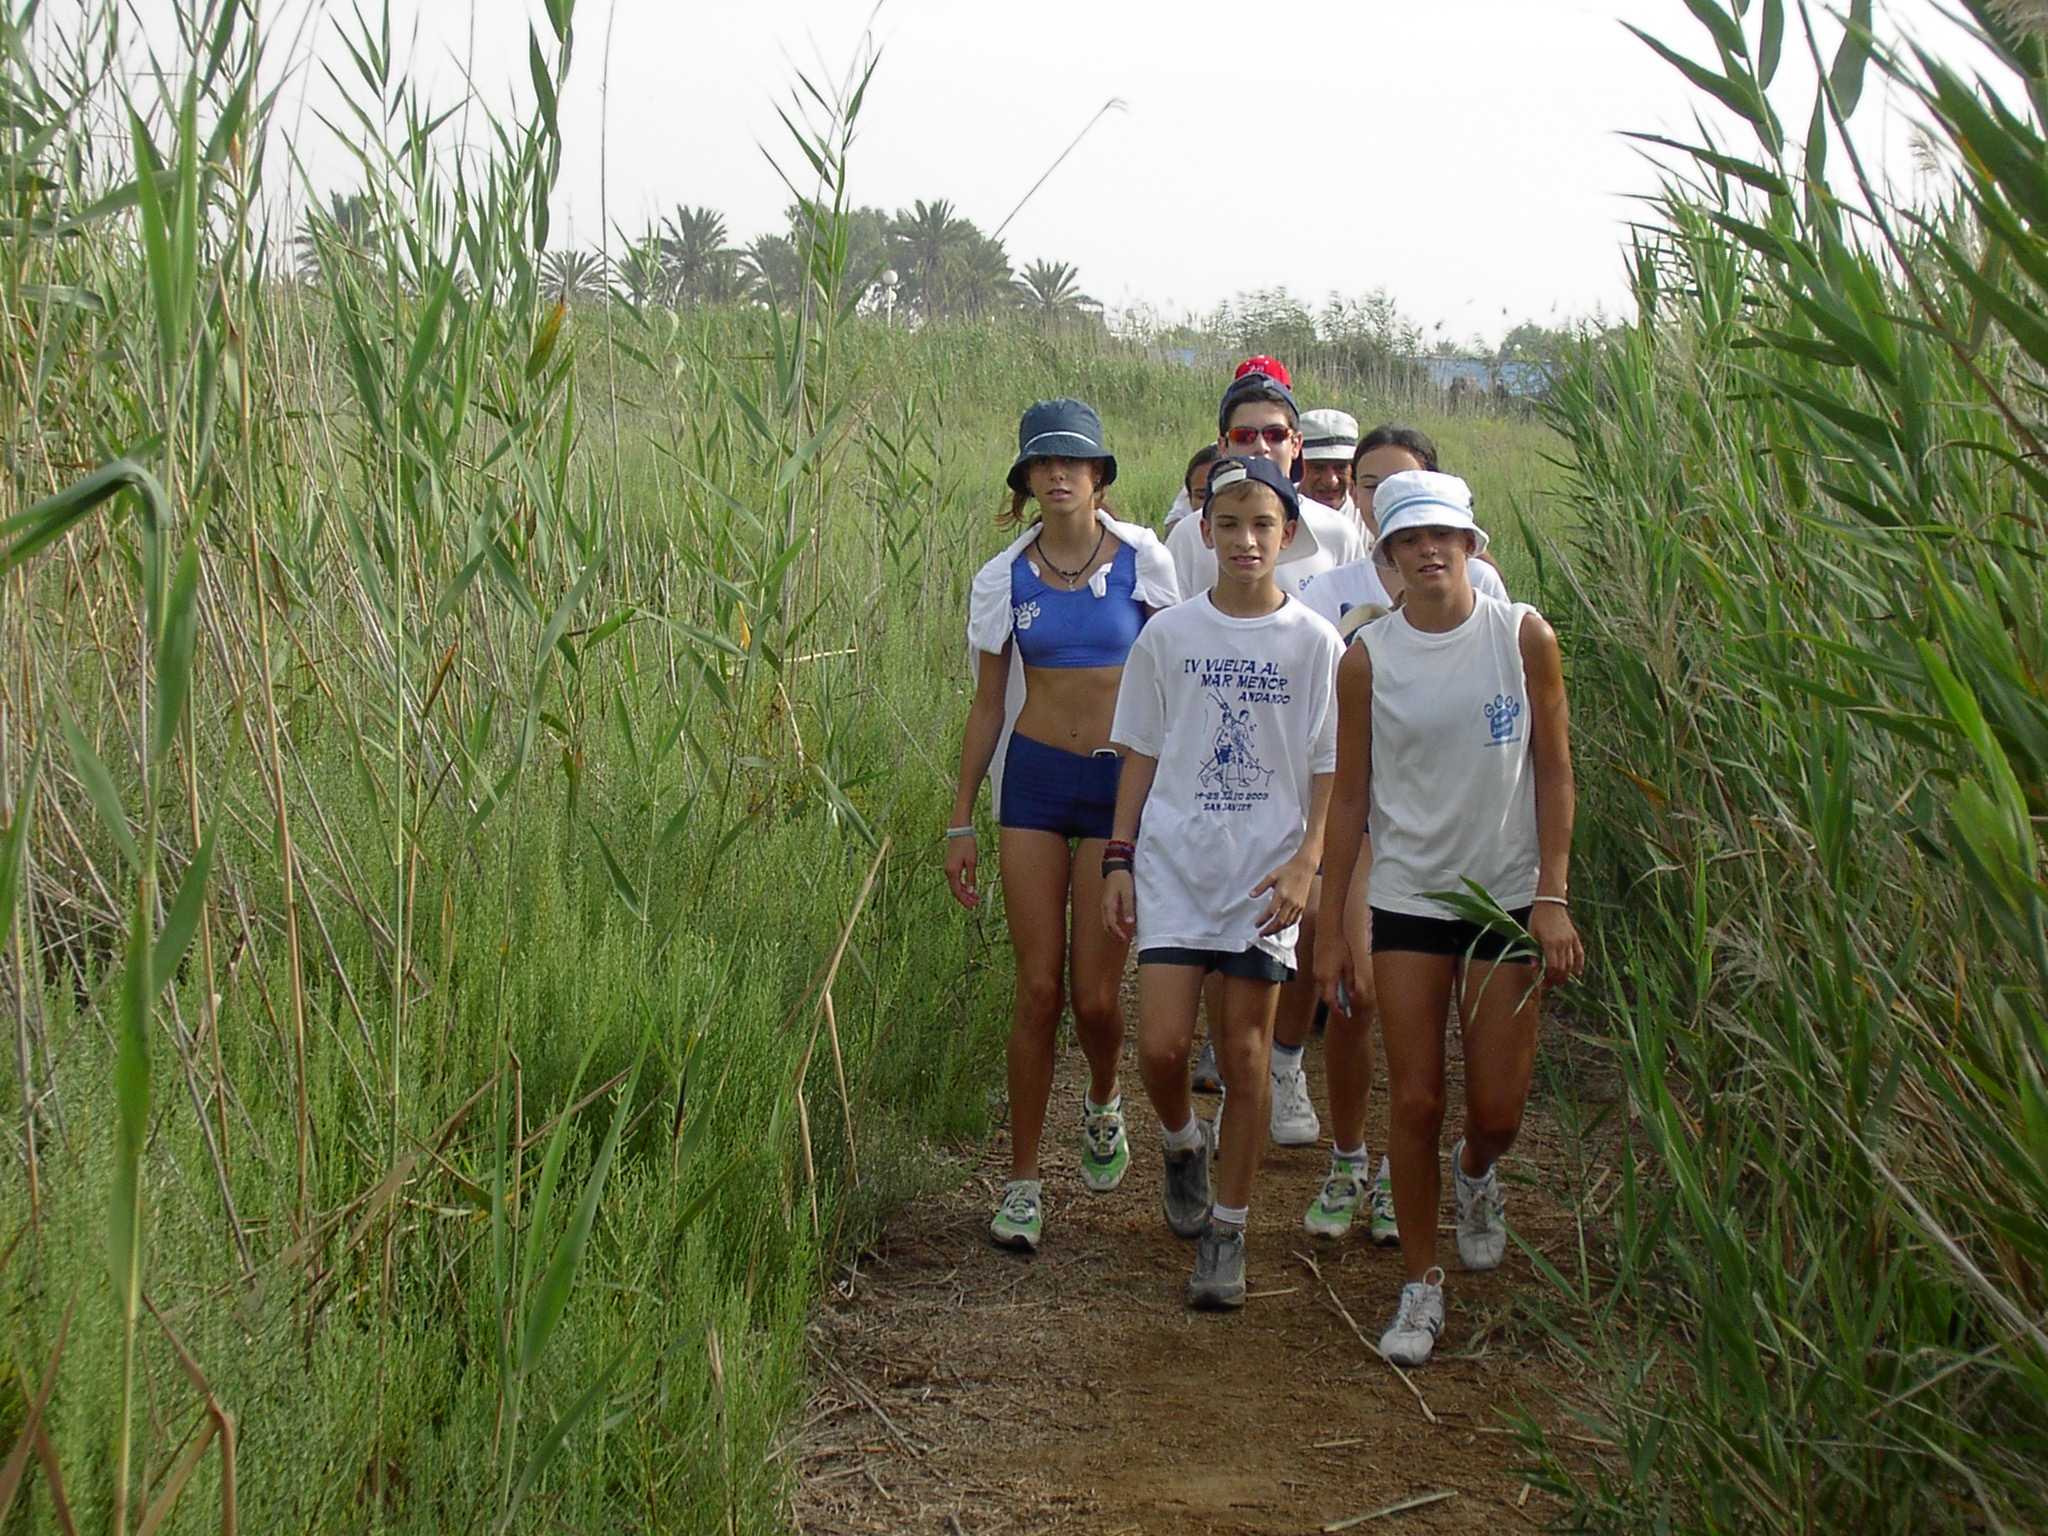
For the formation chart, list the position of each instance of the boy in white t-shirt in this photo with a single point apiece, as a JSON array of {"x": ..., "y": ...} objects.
[{"x": 1226, "y": 718}]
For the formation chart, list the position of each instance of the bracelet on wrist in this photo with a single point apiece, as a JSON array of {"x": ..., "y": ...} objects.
[
  {"x": 960, "y": 831},
  {"x": 1111, "y": 866},
  {"x": 1117, "y": 848},
  {"x": 1556, "y": 901}
]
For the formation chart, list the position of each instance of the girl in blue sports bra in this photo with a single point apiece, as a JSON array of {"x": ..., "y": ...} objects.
[{"x": 1051, "y": 620}]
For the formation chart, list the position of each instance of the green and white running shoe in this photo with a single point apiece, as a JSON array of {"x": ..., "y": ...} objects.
[
  {"x": 1105, "y": 1149},
  {"x": 1018, "y": 1220},
  {"x": 1386, "y": 1231},
  {"x": 1334, "y": 1209}
]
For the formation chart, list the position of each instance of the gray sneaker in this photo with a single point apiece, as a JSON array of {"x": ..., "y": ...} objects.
[
  {"x": 1482, "y": 1215},
  {"x": 1217, "y": 1285},
  {"x": 1208, "y": 1076},
  {"x": 1186, "y": 1189}
]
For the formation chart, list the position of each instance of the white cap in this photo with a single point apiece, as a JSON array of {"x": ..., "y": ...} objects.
[
  {"x": 1422, "y": 498},
  {"x": 1328, "y": 434}
]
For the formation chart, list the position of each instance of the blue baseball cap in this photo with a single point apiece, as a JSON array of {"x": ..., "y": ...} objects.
[
  {"x": 1234, "y": 471},
  {"x": 1231, "y": 470},
  {"x": 1060, "y": 429}
]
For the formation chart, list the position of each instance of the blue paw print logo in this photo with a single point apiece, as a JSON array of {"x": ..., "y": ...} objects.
[
  {"x": 1501, "y": 716},
  {"x": 1026, "y": 615}
]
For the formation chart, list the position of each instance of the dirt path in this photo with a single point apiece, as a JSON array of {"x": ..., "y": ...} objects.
[{"x": 969, "y": 1391}]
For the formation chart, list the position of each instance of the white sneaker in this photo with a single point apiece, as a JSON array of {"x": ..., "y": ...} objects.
[
  {"x": 1294, "y": 1118},
  {"x": 1386, "y": 1230},
  {"x": 1417, "y": 1321},
  {"x": 1482, "y": 1215}
]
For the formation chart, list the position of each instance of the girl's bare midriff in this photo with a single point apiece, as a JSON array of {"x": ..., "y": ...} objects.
[{"x": 1069, "y": 707}]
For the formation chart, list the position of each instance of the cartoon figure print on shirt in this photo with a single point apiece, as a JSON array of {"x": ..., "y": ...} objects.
[
  {"x": 1232, "y": 778},
  {"x": 1503, "y": 714},
  {"x": 1232, "y": 765}
]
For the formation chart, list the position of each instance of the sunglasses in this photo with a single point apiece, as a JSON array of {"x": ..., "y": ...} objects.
[{"x": 1275, "y": 435}]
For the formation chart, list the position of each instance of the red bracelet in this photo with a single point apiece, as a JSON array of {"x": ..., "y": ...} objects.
[{"x": 1117, "y": 848}]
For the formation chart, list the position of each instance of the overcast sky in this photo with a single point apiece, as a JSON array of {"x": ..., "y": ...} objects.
[{"x": 1466, "y": 155}]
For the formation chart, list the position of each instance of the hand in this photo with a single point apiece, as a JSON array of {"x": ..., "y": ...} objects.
[
  {"x": 1120, "y": 905},
  {"x": 1564, "y": 955},
  {"x": 1342, "y": 983},
  {"x": 961, "y": 856},
  {"x": 1290, "y": 885}
]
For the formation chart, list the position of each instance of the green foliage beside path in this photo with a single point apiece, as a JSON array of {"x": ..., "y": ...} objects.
[{"x": 1807, "y": 611}]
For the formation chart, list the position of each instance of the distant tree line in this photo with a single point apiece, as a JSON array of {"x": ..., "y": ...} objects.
[{"x": 929, "y": 262}]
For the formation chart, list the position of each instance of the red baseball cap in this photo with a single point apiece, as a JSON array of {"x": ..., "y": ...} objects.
[{"x": 1271, "y": 367}]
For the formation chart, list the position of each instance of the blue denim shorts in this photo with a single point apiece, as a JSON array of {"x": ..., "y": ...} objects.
[{"x": 1046, "y": 789}]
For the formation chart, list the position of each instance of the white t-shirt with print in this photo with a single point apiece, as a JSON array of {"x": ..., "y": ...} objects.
[
  {"x": 1339, "y": 540},
  {"x": 1335, "y": 593},
  {"x": 1241, "y": 714}
]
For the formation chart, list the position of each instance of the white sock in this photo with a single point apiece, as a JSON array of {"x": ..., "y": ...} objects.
[
  {"x": 1189, "y": 1135},
  {"x": 1230, "y": 1215},
  {"x": 1089, "y": 1106},
  {"x": 1355, "y": 1156},
  {"x": 1286, "y": 1059}
]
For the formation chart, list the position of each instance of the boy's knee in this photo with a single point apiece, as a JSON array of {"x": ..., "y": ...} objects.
[{"x": 1162, "y": 1056}]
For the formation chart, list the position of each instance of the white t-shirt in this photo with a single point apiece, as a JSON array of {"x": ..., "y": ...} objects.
[
  {"x": 1336, "y": 593},
  {"x": 1339, "y": 540},
  {"x": 1241, "y": 714},
  {"x": 1453, "y": 783},
  {"x": 1181, "y": 507}
]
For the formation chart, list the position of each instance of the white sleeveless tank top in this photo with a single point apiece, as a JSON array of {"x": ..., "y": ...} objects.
[{"x": 1453, "y": 785}]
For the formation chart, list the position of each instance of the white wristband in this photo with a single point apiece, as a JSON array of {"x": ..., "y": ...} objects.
[
  {"x": 959, "y": 831},
  {"x": 1554, "y": 900}
]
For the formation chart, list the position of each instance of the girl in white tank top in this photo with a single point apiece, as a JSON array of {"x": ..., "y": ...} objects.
[
  {"x": 1454, "y": 743},
  {"x": 1453, "y": 792}
]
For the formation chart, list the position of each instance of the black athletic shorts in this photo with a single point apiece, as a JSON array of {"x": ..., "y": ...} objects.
[
  {"x": 1444, "y": 935},
  {"x": 1250, "y": 965}
]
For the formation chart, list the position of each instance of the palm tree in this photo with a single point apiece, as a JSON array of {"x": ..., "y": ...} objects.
[
  {"x": 921, "y": 241},
  {"x": 1050, "y": 291},
  {"x": 344, "y": 224},
  {"x": 702, "y": 267},
  {"x": 575, "y": 274},
  {"x": 776, "y": 268},
  {"x": 977, "y": 278},
  {"x": 642, "y": 273}
]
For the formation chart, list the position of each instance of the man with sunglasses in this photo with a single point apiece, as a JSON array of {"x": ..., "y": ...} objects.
[{"x": 1258, "y": 420}]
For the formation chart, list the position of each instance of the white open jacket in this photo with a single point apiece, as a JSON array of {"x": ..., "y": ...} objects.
[{"x": 989, "y": 617}]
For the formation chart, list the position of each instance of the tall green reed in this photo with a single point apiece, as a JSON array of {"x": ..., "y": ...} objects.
[
  {"x": 1807, "y": 595},
  {"x": 416, "y": 642}
]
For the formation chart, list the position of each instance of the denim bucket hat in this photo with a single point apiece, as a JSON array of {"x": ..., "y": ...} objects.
[{"x": 1060, "y": 429}]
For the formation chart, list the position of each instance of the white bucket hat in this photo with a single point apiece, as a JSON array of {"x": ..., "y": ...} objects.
[
  {"x": 1422, "y": 498},
  {"x": 1328, "y": 434}
]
